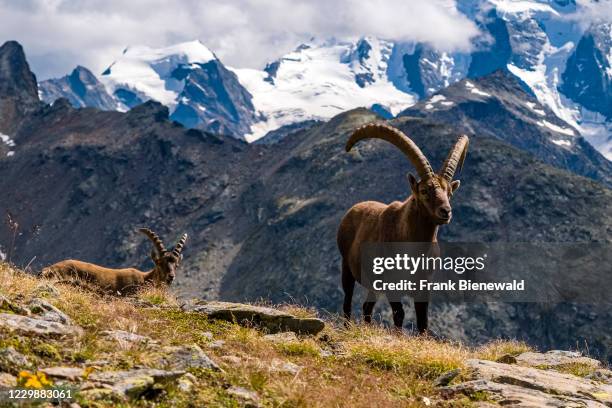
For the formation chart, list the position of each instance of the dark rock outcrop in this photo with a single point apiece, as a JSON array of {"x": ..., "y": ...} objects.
[{"x": 18, "y": 89}]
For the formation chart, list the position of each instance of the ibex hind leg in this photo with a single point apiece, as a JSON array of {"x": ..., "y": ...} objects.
[
  {"x": 348, "y": 286},
  {"x": 420, "y": 309},
  {"x": 398, "y": 314},
  {"x": 368, "y": 307}
]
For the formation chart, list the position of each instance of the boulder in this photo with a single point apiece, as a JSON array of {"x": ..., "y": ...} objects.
[
  {"x": 268, "y": 318},
  {"x": 38, "y": 327},
  {"x": 554, "y": 359}
]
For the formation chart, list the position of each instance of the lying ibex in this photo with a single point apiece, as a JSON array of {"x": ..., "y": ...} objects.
[
  {"x": 126, "y": 280},
  {"x": 414, "y": 220}
]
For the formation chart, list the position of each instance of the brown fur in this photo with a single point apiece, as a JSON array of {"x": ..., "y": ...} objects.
[
  {"x": 119, "y": 281},
  {"x": 414, "y": 220}
]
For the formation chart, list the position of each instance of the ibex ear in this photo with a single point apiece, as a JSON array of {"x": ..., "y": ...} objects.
[
  {"x": 455, "y": 185},
  {"x": 413, "y": 184}
]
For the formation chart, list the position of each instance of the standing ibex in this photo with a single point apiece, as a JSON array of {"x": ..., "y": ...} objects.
[
  {"x": 123, "y": 280},
  {"x": 414, "y": 220}
]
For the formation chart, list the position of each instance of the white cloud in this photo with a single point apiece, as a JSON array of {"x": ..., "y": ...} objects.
[
  {"x": 589, "y": 12},
  {"x": 59, "y": 34}
]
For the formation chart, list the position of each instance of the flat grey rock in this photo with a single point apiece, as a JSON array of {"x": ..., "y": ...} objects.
[
  {"x": 37, "y": 327},
  {"x": 66, "y": 373},
  {"x": 555, "y": 358},
  {"x": 271, "y": 319}
]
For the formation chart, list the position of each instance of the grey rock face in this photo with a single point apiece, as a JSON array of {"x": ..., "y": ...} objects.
[
  {"x": 498, "y": 106},
  {"x": 18, "y": 90},
  {"x": 586, "y": 78},
  {"x": 213, "y": 99},
  {"x": 81, "y": 88}
]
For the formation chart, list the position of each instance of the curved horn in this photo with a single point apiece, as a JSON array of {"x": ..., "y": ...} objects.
[
  {"x": 398, "y": 139},
  {"x": 455, "y": 157},
  {"x": 179, "y": 246},
  {"x": 157, "y": 242}
]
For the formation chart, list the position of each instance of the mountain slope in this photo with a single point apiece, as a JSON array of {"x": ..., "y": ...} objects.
[
  {"x": 81, "y": 88},
  {"x": 187, "y": 78},
  {"x": 322, "y": 79},
  {"x": 496, "y": 105}
]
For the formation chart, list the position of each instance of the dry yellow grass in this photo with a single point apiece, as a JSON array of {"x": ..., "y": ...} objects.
[{"x": 358, "y": 366}]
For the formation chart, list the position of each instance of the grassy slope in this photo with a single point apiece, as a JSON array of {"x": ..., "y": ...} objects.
[{"x": 370, "y": 366}]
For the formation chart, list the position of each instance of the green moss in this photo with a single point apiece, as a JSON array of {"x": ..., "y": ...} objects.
[{"x": 47, "y": 351}]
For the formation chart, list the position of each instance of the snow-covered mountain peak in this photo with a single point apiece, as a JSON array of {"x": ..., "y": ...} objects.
[
  {"x": 320, "y": 80},
  {"x": 148, "y": 72}
]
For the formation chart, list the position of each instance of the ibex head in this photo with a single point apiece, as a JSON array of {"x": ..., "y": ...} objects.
[
  {"x": 166, "y": 262},
  {"x": 434, "y": 190}
]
